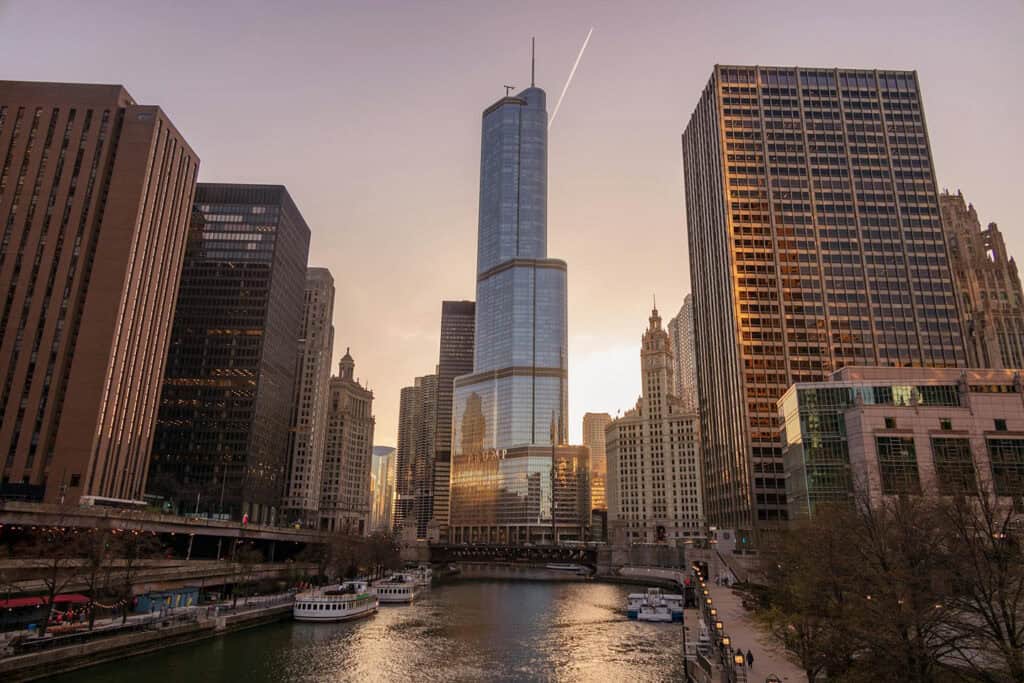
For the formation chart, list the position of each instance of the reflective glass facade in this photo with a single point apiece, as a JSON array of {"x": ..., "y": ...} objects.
[{"x": 517, "y": 395}]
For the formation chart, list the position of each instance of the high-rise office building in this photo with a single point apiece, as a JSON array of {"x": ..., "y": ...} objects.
[
  {"x": 510, "y": 414},
  {"x": 458, "y": 325},
  {"x": 382, "y": 489},
  {"x": 987, "y": 282},
  {"x": 308, "y": 435},
  {"x": 815, "y": 242},
  {"x": 654, "y": 486},
  {"x": 594, "y": 425},
  {"x": 684, "y": 362},
  {"x": 417, "y": 420},
  {"x": 95, "y": 202},
  {"x": 345, "y": 485},
  {"x": 221, "y": 441}
]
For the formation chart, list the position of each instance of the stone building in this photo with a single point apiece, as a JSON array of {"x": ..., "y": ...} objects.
[
  {"x": 987, "y": 284},
  {"x": 345, "y": 489},
  {"x": 308, "y": 435},
  {"x": 654, "y": 485}
]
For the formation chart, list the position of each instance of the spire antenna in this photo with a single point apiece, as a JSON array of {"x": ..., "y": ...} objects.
[{"x": 533, "y": 61}]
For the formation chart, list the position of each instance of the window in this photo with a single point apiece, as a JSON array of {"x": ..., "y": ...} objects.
[
  {"x": 890, "y": 423},
  {"x": 1007, "y": 457},
  {"x": 76, "y": 480},
  {"x": 954, "y": 466},
  {"x": 1000, "y": 424},
  {"x": 897, "y": 463},
  {"x": 945, "y": 424}
]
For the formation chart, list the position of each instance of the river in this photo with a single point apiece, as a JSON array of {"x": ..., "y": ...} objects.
[{"x": 472, "y": 631}]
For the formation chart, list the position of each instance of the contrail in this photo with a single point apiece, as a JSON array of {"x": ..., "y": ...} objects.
[{"x": 569, "y": 80}]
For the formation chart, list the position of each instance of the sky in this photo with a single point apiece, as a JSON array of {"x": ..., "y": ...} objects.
[{"x": 369, "y": 112}]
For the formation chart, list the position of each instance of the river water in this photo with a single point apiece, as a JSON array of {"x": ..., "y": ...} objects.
[{"x": 472, "y": 631}]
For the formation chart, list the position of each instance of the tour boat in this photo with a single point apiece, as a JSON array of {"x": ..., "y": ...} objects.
[
  {"x": 398, "y": 588},
  {"x": 648, "y": 606},
  {"x": 349, "y": 600},
  {"x": 567, "y": 567},
  {"x": 422, "y": 575}
]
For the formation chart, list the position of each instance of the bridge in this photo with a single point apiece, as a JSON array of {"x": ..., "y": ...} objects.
[{"x": 450, "y": 552}]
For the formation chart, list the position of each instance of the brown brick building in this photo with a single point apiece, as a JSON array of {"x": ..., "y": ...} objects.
[{"x": 95, "y": 197}]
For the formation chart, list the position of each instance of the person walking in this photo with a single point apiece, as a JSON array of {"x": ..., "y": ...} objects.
[{"x": 750, "y": 659}]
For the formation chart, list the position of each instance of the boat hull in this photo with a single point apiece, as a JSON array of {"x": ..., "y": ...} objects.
[{"x": 334, "y": 617}]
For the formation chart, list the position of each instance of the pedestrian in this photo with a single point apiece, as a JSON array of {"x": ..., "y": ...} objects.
[{"x": 750, "y": 659}]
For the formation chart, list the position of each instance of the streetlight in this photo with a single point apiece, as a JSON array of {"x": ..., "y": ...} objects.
[
  {"x": 726, "y": 641},
  {"x": 719, "y": 626},
  {"x": 738, "y": 660},
  {"x": 714, "y": 612}
]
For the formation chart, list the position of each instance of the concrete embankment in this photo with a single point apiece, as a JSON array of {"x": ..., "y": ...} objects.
[{"x": 57, "y": 660}]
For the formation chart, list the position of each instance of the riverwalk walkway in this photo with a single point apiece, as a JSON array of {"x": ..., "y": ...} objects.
[
  {"x": 746, "y": 635},
  {"x": 738, "y": 624}
]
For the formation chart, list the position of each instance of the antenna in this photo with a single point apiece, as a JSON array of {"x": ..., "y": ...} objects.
[
  {"x": 533, "y": 61},
  {"x": 508, "y": 89}
]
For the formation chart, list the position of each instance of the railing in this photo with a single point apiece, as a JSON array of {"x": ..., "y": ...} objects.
[{"x": 22, "y": 645}]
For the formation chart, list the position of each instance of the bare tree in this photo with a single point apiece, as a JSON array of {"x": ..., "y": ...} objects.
[
  {"x": 132, "y": 547},
  {"x": 54, "y": 552},
  {"x": 94, "y": 569},
  {"x": 988, "y": 573}
]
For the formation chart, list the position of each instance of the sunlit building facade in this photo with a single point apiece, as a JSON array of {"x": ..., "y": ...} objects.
[
  {"x": 593, "y": 438},
  {"x": 382, "y": 489},
  {"x": 815, "y": 242},
  {"x": 987, "y": 282},
  {"x": 511, "y": 411},
  {"x": 684, "y": 362},
  {"x": 95, "y": 203}
]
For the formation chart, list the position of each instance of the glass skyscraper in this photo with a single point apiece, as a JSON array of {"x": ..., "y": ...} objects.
[{"x": 510, "y": 412}]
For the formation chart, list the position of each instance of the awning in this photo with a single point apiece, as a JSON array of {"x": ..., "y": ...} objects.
[{"x": 37, "y": 600}]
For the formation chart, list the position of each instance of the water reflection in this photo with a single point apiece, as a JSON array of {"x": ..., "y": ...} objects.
[{"x": 494, "y": 631}]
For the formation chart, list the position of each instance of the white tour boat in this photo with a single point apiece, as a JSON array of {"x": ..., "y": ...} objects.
[
  {"x": 349, "y": 600},
  {"x": 398, "y": 588},
  {"x": 653, "y": 605},
  {"x": 568, "y": 567}
]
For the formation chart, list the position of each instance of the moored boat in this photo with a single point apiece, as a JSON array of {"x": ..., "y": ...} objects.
[
  {"x": 349, "y": 600},
  {"x": 651, "y": 604},
  {"x": 398, "y": 588}
]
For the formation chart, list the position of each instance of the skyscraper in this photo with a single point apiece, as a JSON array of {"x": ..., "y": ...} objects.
[
  {"x": 308, "y": 435},
  {"x": 95, "y": 199},
  {"x": 594, "y": 425},
  {"x": 815, "y": 242},
  {"x": 345, "y": 486},
  {"x": 382, "y": 489},
  {"x": 221, "y": 441},
  {"x": 654, "y": 485},
  {"x": 987, "y": 282},
  {"x": 417, "y": 419},
  {"x": 684, "y": 363},
  {"x": 510, "y": 413},
  {"x": 458, "y": 325}
]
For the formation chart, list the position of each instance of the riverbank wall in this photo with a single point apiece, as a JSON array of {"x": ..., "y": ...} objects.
[{"x": 58, "y": 660}]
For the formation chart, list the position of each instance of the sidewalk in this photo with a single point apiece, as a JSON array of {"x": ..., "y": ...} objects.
[{"x": 769, "y": 657}]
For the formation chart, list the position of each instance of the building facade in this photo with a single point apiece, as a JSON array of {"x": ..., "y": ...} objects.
[
  {"x": 510, "y": 413},
  {"x": 345, "y": 485},
  {"x": 423, "y": 456},
  {"x": 95, "y": 201},
  {"x": 684, "y": 361},
  {"x": 382, "y": 489},
  {"x": 872, "y": 433},
  {"x": 815, "y": 242},
  {"x": 654, "y": 467},
  {"x": 308, "y": 435},
  {"x": 409, "y": 420},
  {"x": 988, "y": 285},
  {"x": 221, "y": 442},
  {"x": 458, "y": 327},
  {"x": 594, "y": 425}
]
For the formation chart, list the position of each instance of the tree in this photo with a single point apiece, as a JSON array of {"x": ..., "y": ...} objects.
[
  {"x": 247, "y": 558},
  {"x": 54, "y": 552},
  {"x": 94, "y": 569},
  {"x": 987, "y": 563},
  {"x": 132, "y": 547},
  {"x": 808, "y": 593}
]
